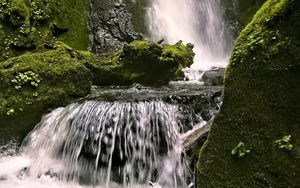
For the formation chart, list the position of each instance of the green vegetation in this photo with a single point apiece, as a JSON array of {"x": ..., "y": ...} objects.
[
  {"x": 240, "y": 150},
  {"x": 34, "y": 82},
  {"x": 26, "y": 77},
  {"x": 143, "y": 62},
  {"x": 261, "y": 103},
  {"x": 284, "y": 143},
  {"x": 29, "y": 25}
]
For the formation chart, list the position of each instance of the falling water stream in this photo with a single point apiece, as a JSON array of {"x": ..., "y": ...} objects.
[
  {"x": 101, "y": 144},
  {"x": 200, "y": 22},
  {"x": 120, "y": 144}
]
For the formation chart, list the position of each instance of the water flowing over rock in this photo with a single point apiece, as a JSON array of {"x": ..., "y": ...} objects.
[
  {"x": 97, "y": 143},
  {"x": 113, "y": 137}
]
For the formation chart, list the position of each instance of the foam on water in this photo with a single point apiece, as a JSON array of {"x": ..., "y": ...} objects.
[{"x": 101, "y": 144}]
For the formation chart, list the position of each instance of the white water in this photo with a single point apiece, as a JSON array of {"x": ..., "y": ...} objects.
[
  {"x": 103, "y": 145},
  {"x": 193, "y": 21}
]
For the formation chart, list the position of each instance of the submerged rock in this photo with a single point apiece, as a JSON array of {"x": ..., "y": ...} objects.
[
  {"x": 259, "y": 120},
  {"x": 143, "y": 62},
  {"x": 33, "y": 82}
]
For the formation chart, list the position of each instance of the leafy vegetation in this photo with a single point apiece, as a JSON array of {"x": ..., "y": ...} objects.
[
  {"x": 240, "y": 150},
  {"x": 26, "y": 77},
  {"x": 284, "y": 143}
]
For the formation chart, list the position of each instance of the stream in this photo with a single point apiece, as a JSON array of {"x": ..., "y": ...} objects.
[
  {"x": 115, "y": 137},
  {"x": 127, "y": 136}
]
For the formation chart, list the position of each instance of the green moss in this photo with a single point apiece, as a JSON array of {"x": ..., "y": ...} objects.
[
  {"x": 261, "y": 103},
  {"x": 143, "y": 62},
  {"x": 27, "y": 25},
  {"x": 284, "y": 143},
  {"x": 33, "y": 82},
  {"x": 138, "y": 10}
]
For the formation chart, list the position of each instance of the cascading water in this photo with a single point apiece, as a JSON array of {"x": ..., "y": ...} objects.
[
  {"x": 103, "y": 144},
  {"x": 193, "y": 21}
]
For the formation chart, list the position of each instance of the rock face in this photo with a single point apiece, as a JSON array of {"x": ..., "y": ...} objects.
[
  {"x": 32, "y": 83},
  {"x": 138, "y": 10},
  {"x": 110, "y": 26},
  {"x": 255, "y": 139},
  {"x": 238, "y": 13},
  {"x": 30, "y": 25},
  {"x": 143, "y": 62},
  {"x": 214, "y": 77}
]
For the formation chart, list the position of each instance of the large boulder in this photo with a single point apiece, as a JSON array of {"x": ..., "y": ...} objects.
[
  {"x": 30, "y": 25},
  {"x": 143, "y": 62},
  {"x": 34, "y": 82},
  {"x": 255, "y": 139}
]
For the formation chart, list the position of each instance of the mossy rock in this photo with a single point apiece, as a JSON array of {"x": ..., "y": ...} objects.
[
  {"x": 143, "y": 62},
  {"x": 29, "y": 25},
  {"x": 34, "y": 82},
  {"x": 261, "y": 106}
]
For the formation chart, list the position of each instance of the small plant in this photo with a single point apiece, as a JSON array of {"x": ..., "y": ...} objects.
[
  {"x": 10, "y": 112},
  {"x": 35, "y": 94},
  {"x": 240, "y": 150},
  {"x": 28, "y": 77},
  {"x": 284, "y": 143}
]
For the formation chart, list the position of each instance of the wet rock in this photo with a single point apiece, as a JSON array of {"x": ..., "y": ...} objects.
[
  {"x": 110, "y": 25},
  {"x": 29, "y": 25},
  {"x": 30, "y": 84},
  {"x": 213, "y": 77},
  {"x": 261, "y": 106},
  {"x": 143, "y": 62}
]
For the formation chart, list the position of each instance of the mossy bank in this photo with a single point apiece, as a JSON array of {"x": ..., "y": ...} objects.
[
  {"x": 143, "y": 62},
  {"x": 29, "y": 25},
  {"x": 255, "y": 139},
  {"x": 33, "y": 83}
]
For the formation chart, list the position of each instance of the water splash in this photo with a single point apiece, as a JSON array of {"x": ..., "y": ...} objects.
[
  {"x": 103, "y": 144},
  {"x": 196, "y": 21}
]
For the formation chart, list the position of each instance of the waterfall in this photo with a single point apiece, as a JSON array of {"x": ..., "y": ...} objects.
[
  {"x": 199, "y": 22},
  {"x": 103, "y": 144}
]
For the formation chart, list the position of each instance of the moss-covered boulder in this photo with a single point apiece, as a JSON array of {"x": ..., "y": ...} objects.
[
  {"x": 255, "y": 139},
  {"x": 28, "y": 25},
  {"x": 143, "y": 62},
  {"x": 33, "y": 82}
]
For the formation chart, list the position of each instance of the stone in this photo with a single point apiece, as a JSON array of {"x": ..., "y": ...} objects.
[
  {"x": 143, "y": 62},
  {"x": 30, "y": 25},
  {"x": 32, "y": 83},
  {"x": 261, "y": 106},
  {"x": 214, "y": 77},
  {"x": 110, "y": 25}
]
